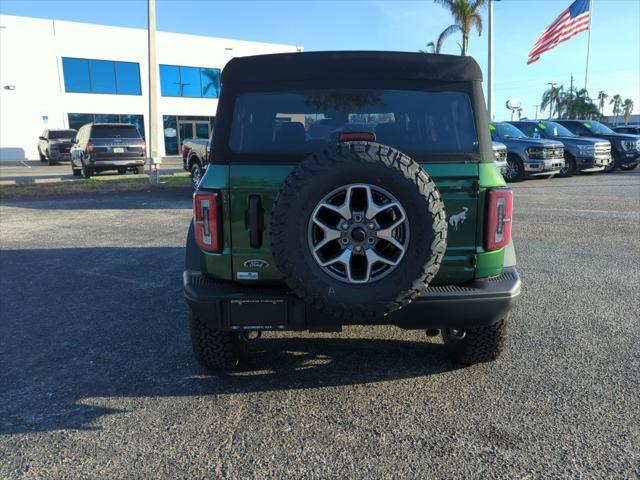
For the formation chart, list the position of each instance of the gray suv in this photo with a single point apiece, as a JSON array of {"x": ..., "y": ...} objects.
[
  {"x": 527, "y": 157},
  {"x": 107, "y": 146},
  {"x": 581, "y": 154}
]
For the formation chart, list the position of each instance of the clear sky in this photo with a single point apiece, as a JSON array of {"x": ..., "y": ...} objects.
[{"x": 398, "y": 25}]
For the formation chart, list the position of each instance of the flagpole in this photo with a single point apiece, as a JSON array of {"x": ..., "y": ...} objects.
[{"x": 586, "y": 71}]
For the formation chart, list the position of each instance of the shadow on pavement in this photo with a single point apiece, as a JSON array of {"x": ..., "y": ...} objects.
[{"x": 81, "y": 323}]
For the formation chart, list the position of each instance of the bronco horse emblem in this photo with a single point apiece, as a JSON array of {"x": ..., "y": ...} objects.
[{"x": 458, "y": 218}]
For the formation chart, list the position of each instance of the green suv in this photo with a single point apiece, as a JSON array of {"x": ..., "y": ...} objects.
[{"x": 351, "y": 188}]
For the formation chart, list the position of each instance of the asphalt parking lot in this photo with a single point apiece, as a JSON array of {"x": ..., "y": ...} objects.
[{"x": 98, "y": 379}]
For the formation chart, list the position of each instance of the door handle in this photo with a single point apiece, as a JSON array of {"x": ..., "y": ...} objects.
[{"x": 254, "y": 221}]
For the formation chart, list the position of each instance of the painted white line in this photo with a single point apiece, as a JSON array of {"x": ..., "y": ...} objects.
[{"x": 25, "y": 165}]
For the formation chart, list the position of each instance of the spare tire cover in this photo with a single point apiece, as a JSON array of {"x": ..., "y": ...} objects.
[{"x": 358, "y": 230}]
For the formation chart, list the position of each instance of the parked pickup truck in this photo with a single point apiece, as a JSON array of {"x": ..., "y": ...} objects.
[
  {"x": 581, "y": 154},
  {"x": 55, "y": 145},
  {"x": 195, "y": 157},
  {"x": 625, "y": 148},
  {"x": 527, "y": 156}
]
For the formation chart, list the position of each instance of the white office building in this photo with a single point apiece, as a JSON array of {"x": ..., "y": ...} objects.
[{"x": 57, "y": 75}]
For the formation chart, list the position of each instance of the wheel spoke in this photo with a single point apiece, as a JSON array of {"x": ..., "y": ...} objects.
[
  {"x": 373, "y": 208},
  {"x": 330, "y": 234},
  {"x": 343, "y": 210},
  {"x": 387, "y": 232}
]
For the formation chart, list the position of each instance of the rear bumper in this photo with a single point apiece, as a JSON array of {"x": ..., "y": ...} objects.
[
  {"x": 229, "y": 306},
  {"x": 54, "y": 155},
  {"x": 106, "y": 163}
]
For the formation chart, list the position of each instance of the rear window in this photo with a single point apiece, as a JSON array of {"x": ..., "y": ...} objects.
[
  {"x": 61, "y": 134},
  {"x": 114, "y": 131},
  {"x": 304, "y": 121}
]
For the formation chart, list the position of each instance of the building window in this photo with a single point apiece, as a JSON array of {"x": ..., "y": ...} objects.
[
  {"x": 194, "y": 82},
  {"x": 179, "y": 128},
  {"x": 77, "y": 120},
  {"x": 101, "y": 76}
]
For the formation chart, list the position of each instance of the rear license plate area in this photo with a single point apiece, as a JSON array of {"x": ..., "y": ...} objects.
[
  {"x": 255, "y": 314},
  {"x": 118, "y": 150}
]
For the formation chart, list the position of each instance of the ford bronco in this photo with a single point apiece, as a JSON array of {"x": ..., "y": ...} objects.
[{"x": 351, "y": 188}]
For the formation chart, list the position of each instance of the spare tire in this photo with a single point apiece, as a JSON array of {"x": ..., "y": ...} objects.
[{"x": 358, "y": 230}]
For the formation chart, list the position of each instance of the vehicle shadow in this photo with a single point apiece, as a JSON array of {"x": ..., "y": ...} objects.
[{"x": 85, "y": 323}]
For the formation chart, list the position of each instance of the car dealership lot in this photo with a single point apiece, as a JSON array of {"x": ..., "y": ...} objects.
[{"x": 98, "y": 378}]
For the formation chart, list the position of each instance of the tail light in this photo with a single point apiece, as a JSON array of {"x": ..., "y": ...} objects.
[
  {"x": 207, "y": 220},
  {"x": 500, "y": 212},
  {"x": 89, "y": 147},
  {"x": 183, "y": 150},
  {"x": 143, "y": 145}
]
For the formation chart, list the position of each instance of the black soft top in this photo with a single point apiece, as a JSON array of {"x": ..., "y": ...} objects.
[{"x": 301, "y": 66}]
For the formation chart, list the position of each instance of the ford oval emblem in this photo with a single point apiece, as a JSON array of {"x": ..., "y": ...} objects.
[{"x": 256, "y": 263}]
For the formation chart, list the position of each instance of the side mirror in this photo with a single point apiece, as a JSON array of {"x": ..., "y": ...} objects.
[{"x": 41, "y": 138}]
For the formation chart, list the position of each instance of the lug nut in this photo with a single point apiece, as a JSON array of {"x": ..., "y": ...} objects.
[
  {"x": 371, "y": 239},
  {"x": 371, "y": 225},
  {"x": 345, "y": 226},
  {"x": 344, "y": 240},
  {"x": 358, "y": 218},
  {"x": 358, "y": 248}
]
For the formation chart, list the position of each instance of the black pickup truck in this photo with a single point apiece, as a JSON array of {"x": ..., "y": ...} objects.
[{"x": 195, "y": 157}]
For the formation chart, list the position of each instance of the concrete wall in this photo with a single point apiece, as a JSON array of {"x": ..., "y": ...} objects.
[{"x": 32, "y": 82}]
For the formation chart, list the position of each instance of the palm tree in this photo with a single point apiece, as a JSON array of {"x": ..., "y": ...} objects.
[
  {"x": 616, "y": 101},
  {"x": 551, "y": 98},
  {"x": 578, "y": 106},
  {"x": 212, "y": 79},
  {"x": 628, "y": 108},
  {"x": 437, "y": 46},
  {"x": 465, "y": 16},
  {"x": 601, "y": 99}
]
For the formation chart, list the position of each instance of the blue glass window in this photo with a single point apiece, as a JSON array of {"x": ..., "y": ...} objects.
[
  {"x": 169, "y": 81},
  {"x": 176, "y": 81},
  {"x": 101, "y": 76},
  {"x": 128, "y": 78},
  {"x": 190, "y": 82},
  {"x": 76, "y": 75},
  {"x": 210, "y": 82}
]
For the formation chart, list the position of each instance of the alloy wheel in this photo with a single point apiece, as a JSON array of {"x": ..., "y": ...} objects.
[{"x": 358, "y": 233}]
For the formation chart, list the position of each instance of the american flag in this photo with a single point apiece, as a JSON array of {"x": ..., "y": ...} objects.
[{"x": 572, "y": 21}]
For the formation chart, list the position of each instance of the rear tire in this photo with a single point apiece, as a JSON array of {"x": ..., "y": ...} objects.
[
  {"x": 76, "y": 172},
  {"x": 122, "y": 171},
  {"x": 196, "y": 175},
  {"x": 43, "y": 158},
  {"x": 51, "y": 161},
  {"x": 515, "y": 169},
  {"x": 477, "y": 345},
  {"x": 212, "y": 348}
]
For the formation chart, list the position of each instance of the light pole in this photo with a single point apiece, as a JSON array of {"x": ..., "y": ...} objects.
[
  {"x": 152, "y": 150},
  {"x": 490, "y": 66},
  {"x": 536, "y": 117}
]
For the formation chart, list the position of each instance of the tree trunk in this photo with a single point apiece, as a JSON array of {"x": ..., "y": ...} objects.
[{"x": 465, "y": 44}]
